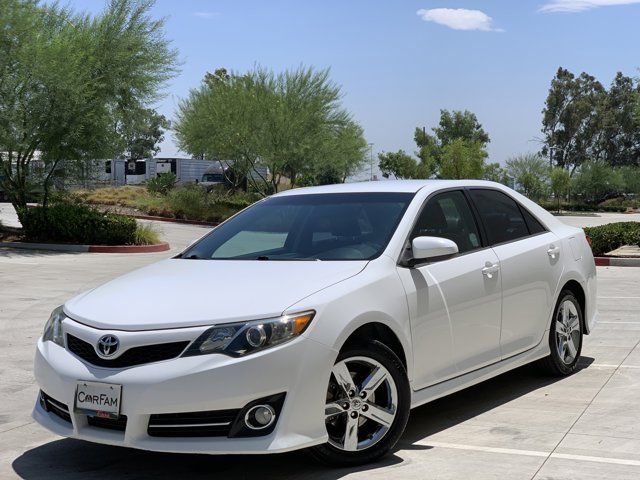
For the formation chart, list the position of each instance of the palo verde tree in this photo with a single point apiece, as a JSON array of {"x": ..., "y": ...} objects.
[
  {"x": 530, "y": 173},
  {"x": 73, "y": 86},
  {"x": 291, "y": 122}
]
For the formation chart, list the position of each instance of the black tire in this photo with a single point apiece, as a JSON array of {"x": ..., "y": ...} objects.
[
  {"x": 330, "y": 454},
  {"x": 554, "y": 363}
]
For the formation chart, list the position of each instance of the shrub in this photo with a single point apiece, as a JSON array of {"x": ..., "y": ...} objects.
[
  {"x": 77, "y": 224},
  {"x": 583, "y": 207},
  {"x": 188, "y": 202},
  {"x": 146, "y": 234},
  {"x": 605, "y": 238},
  {"x": 163, "y": 183}
]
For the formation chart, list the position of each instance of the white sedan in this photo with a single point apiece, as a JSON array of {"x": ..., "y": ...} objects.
[{"x": 318, "y": 318}]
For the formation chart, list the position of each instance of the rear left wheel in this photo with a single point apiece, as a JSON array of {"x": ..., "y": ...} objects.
[
  {"x": 565, "y": 336},
  {"x": 367, "y": 406}
]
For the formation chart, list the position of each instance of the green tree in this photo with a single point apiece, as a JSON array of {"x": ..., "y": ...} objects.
[
  {"x": 399, "y": 164},
  {"x": 495, "y": 173},
  {"x": 530, "y": 173},
  {"x": 596, "y": 181},
  {"x": 569, "y": 123},
  {"x": 618, "y": 139},
  {"x": 560, "y": 183},
  {"x": 72, "y": 86},
  {"x": 631, "y": 178},
  {"x": 462, "y": 159},
  {"x": 146, "y": 135},
  {"x": 292, "y": 122},
  {"x": 458, "y": 124},
  {"x": 461, "y": 128}
]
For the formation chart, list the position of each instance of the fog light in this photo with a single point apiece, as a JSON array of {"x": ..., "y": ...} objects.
[{"x": 259, "y": 417}]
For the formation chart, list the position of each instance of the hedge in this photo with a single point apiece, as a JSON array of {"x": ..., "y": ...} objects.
[
  {"x": 583, "y": 207},
  {"x": 605, "y": 238},
  {"x": 77, "y": 224}
]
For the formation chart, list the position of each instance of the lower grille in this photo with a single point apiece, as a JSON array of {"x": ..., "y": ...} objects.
[
  {"x": 54, "y": 406},
  {"x": 119, "y": 424},
  {"x": 215, "y": 423},
  {"x": 133, "y": 356}
]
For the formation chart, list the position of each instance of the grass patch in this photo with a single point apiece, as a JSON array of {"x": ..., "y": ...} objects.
[
  {"x": 146, "y": 234},
  {"x": 126, "y": 196},
  {"x": 187, "y": 202}
]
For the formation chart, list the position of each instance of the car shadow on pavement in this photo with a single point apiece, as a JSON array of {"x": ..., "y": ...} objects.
[{"x": 74, "y": 459}]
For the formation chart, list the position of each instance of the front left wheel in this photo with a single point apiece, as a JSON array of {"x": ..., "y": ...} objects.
[{"x": 367, "y": 405}]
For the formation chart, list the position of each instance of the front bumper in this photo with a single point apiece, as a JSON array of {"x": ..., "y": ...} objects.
[{"x": 301, "y": 368}]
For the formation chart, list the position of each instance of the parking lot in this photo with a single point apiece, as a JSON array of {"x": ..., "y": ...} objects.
[{"x": 520, "y": 425}]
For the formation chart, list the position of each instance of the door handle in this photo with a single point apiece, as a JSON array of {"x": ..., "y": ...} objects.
[
  {"x": 553, "y": 251},
  {"x": 490, "y": 269}
]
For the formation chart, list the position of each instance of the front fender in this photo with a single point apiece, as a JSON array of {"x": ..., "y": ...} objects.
[{"x": 375, "y": 295}]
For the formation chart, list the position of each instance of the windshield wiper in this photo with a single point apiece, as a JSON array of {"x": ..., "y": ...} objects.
[{"x": 193, "y": 256}]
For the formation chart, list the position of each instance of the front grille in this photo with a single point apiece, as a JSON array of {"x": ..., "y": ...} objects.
[
  {"x": 54, "y": 406},
  {"x": 133, "y": 356},
  {"x": 215, "y": 423},
  {"x": 119, "y": 424}
]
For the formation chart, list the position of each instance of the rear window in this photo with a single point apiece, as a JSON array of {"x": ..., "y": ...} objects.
[
  {"x": 533, "y": 223},
  {"x": 501, "y": 216}
]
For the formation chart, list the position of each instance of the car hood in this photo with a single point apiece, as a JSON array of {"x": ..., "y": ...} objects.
[{"x": 187, "y": 293}]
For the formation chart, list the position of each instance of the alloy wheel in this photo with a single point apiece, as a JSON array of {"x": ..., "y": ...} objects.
[
  {"x": 362, "y": 401},
  {"x": 567, "y": 332}
]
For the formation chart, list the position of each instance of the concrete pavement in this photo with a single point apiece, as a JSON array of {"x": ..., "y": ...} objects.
[{"x": 520, "y": 425}]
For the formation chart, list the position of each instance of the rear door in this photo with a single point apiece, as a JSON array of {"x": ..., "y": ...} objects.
[
  {"x": 530, "y": 268},
  {"x": 454, "y": 304}
]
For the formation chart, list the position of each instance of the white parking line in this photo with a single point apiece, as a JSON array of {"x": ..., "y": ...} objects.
[
  {"x": 619, "y": 323},
  {"x": 607, "y": 365},
  {"x": 533, "y": 453},
  {"x": 620, "y": 297}
]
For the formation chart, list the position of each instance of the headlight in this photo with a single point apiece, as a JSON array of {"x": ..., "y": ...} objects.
[
  {"x": 238, "y": 339},
  {"x": 53, "y": 327}
]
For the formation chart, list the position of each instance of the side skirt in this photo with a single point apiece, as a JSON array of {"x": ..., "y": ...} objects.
[{"x": 442, "y": 389}]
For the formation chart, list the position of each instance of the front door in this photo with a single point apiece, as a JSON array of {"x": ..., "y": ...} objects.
[{"x": 454, "y": 304}]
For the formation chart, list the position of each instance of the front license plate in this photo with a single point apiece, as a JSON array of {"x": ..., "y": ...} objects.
[{"x": 98, "y": 399}]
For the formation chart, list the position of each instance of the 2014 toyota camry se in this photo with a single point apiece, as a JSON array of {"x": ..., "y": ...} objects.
[{"x": 318, "y": 318}]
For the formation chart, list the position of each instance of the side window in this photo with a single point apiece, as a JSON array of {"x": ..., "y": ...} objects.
[
  {"x": 448, "y": 215},
  {"x": 501, "y": 216},
  {"x": 533, "y": 223}
]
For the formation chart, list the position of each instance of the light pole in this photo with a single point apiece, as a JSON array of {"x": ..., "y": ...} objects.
[{"x": 371, "y": 161}]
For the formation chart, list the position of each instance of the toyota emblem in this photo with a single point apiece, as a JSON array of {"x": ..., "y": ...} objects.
[{"x": 108, "y": 345}]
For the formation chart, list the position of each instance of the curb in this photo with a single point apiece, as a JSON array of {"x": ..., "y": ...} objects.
[
  {"x": 61, "y": 247},
  {"x": 617, "y": 262},
  {"x": 172, "y": 220}
]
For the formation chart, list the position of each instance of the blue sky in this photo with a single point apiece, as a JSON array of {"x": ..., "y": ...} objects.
[{"x": 400, "y": 62}]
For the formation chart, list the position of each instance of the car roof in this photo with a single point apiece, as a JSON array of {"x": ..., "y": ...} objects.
[{"x": 399, "y": 186}]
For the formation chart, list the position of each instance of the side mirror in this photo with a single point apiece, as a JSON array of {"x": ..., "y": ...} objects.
[{"x": 425, "y": 248}]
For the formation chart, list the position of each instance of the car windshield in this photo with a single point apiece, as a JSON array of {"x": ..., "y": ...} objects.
[
  {"x": 213, "y": 177},
  {"x": 347, "y": 226}
]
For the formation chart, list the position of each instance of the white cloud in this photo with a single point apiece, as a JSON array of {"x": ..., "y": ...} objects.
[
  {"x": 206, "y": 14},
  {"x": 580, "y": 5},
  {"x": 459, "y": 19}
]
